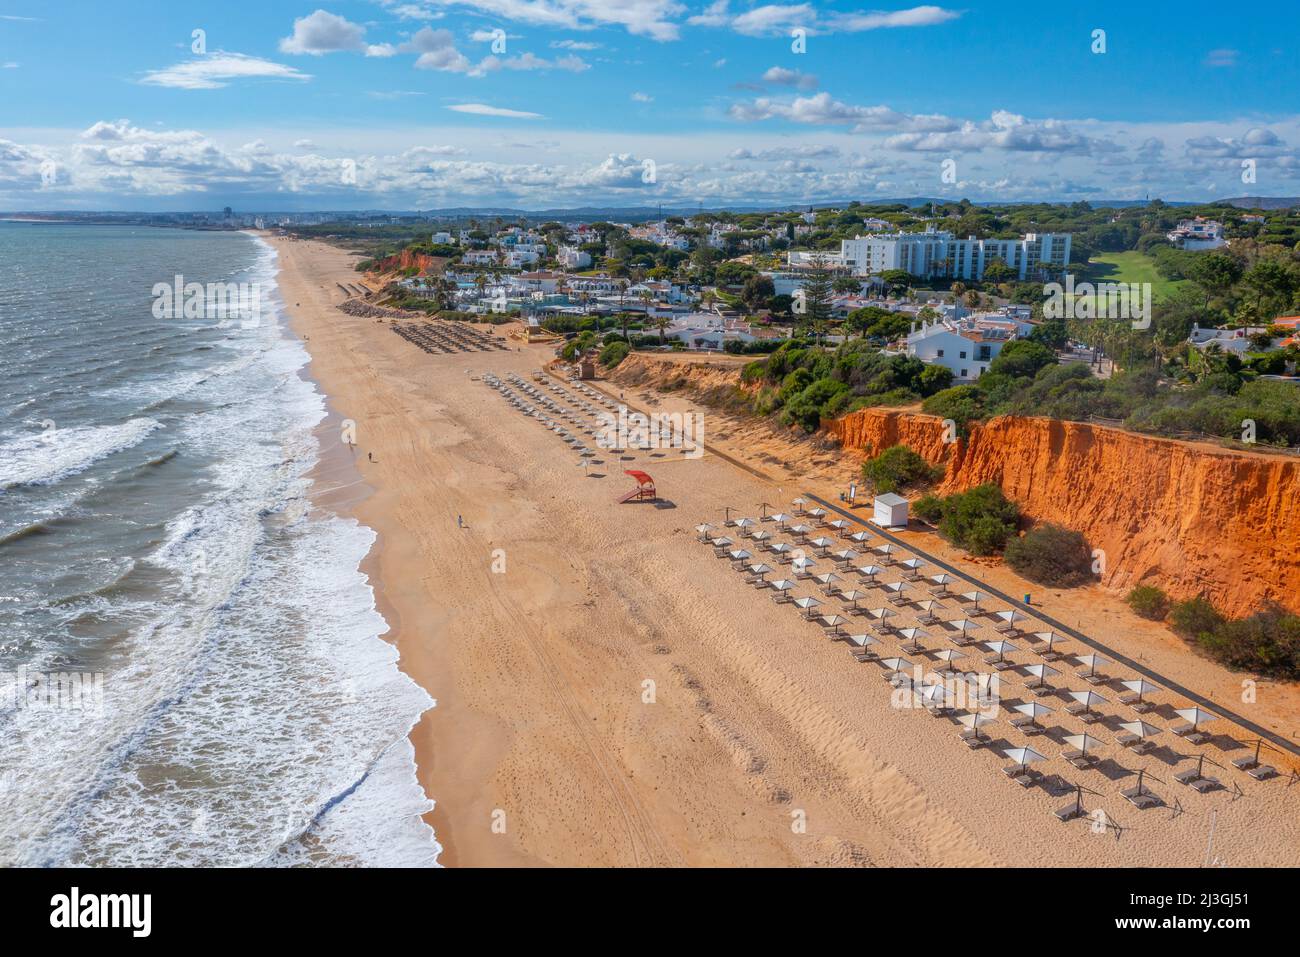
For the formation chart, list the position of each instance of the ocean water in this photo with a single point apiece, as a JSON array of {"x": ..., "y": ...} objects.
[{"x": 237, "y": 703}]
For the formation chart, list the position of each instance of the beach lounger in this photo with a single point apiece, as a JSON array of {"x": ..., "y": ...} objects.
[
  {"x": 1141, "y": 799},
  {"x": 783, "y": 599},
  {"x": 1070, "y": 812},
  {"x": 1079, "y": 759},
  {"x": 1262, "y": 772},
  {"x": 1025, "y": 777},
  {"x": 1132, "y": 700},
  {"x": 1186, "y": 732}
]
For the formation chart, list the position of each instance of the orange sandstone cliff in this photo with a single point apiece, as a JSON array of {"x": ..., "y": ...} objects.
[{"x": 1191, "y": 518}]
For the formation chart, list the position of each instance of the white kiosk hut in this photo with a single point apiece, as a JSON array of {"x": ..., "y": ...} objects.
[{"x": 891, "y": 511}]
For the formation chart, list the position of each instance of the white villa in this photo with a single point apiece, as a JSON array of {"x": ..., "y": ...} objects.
[
  {"x": 964, "y": 346},
  {"x": 1198, "y": 233},
  {"x": 570, "y": 257}
]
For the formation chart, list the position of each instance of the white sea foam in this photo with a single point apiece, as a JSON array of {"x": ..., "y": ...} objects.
[
  {"x": 255, "y": 716},
  {"x": 51, "y": 454}
]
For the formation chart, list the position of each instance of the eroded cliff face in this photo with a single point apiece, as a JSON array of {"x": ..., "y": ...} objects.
[
  {"x": 1190, "y": 518},
  {"x": 427, "y": 265}
]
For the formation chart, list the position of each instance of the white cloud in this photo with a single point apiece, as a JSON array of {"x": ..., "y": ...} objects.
[
  {"x": 650, "y": 18},
  {"x": 642, "y": 97},
  {"x": 11, "y": 65},
  {"x": 573, "y": 45},
  {"x": 437, "y": 49},
  {"x": 530, "y": 61},
  {"x": 775, "y": 19},
  {"x": 876, "y": 20},
  {"x": 781, "y": 76},
  {"x": 215, "y": 70},
  {"x": 1221, "y": 58},
  {"x": 323, "y": 32},
  {"x": 482, "y": 109}
]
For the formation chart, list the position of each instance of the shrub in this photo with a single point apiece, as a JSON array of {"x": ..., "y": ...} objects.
[
  {"x": 928, "y": 508},
  {"x": 933, "y": 379},
  {"x": 1267, "y": 642},
  {"x": 1051, "y": 555},
  {"x": 1194, "y": 618},
  {"x": 979, "y": 520},
  {"x": 960, "y": 403},
  {"x": 898, "y": 467},
  {"x": 1022, "y": 357},
  {"x": 614, "y": 353},
  {"x": 1149, "y": 602},
  {"x": 806, "y": 407}
]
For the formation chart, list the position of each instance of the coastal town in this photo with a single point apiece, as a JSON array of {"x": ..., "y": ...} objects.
[{"x": 900, "y": 278}]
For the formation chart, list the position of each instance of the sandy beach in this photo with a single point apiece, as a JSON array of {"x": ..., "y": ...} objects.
[{"x": 611, "y": 694}]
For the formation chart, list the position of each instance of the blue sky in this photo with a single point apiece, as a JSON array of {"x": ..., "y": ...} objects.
[{"x": 534, "y": 103}]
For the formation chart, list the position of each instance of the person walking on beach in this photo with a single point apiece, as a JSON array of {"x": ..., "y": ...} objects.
[
  {"x": 459, "y": 523},
  {"x": 370, "y": 456}
]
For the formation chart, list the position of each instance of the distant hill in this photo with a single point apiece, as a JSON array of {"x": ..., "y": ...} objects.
[{"x": 1263, "y": 202}]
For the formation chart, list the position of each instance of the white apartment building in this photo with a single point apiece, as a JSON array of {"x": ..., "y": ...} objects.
[
  {"x": 572, "y": 258},
  {"x": 480, "y": 257},
  {"x": 933, "y": 253}
]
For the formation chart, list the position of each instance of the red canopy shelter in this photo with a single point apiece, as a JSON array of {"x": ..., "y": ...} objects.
[{"x": 645, "y": 490}]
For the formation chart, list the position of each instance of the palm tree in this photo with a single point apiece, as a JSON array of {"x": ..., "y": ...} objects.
[{"x": 661, "y": 323}]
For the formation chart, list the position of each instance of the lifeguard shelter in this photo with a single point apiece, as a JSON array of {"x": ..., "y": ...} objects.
[{"x": 890, "y": 511}]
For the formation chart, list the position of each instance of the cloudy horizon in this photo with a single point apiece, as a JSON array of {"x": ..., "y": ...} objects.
[{"x": 538, "y": 104}]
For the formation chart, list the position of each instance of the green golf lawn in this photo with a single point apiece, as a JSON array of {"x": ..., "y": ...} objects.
[{"x": 1130, "y": 266}]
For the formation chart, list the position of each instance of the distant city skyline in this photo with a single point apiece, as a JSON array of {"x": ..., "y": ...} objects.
[{"x": 533, "y": 104}]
